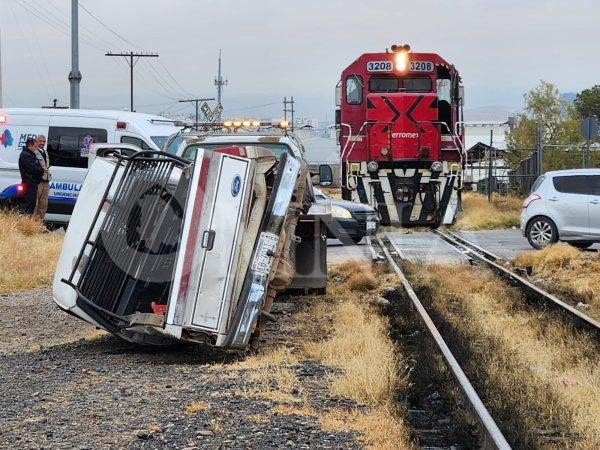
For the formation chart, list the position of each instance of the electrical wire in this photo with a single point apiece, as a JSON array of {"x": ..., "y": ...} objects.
[
  {"x": 31, "y": 9},
  {"x": 174, "y": 79},
  {"x": 29, "y": 50},
  {"x": 108, "y": 28}
]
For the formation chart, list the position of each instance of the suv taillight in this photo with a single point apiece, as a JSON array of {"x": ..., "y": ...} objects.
[{"x": 530, "y": 199}]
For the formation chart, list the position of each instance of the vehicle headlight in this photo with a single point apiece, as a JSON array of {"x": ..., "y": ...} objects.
[
  {"x": 340, "y": 213},
  {"x": 373, "y": 166},
  {"x": 437, "y": 166}
]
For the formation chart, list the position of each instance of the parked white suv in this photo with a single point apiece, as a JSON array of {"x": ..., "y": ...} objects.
[{"x": 563, "y": 205}]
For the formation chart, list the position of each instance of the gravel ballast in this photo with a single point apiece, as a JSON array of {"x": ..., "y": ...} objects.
[{"x": 67, "y": 386}]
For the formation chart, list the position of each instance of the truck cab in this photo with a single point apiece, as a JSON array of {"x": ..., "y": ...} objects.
[{"x": 192, "y": 245}]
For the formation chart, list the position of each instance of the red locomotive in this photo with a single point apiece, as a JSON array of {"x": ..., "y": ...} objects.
[{"x": 401, "y": 136}]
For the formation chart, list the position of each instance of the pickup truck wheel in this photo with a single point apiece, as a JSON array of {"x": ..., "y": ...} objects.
[
  {"x": 541, "y": 232},
  {"x": 581, "y": 245}
]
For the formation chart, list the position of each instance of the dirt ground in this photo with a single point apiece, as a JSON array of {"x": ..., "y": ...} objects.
[{"x": 66, "y": 385}]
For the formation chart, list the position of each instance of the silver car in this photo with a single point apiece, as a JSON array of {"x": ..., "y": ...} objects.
[{"x": 563, "y": 205}]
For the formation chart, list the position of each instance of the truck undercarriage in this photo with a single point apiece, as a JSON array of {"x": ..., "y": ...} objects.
[{"x": 161, "y": 248}]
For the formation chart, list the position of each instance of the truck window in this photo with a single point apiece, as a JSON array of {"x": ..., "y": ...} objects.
[
  {"x": 354, "y": 90},
  {"x": 277, "y": 149},
  {"x": 384, "y": 84},
  {"x": 135, "y": 141},
  {"x": 70, "y": 146}
]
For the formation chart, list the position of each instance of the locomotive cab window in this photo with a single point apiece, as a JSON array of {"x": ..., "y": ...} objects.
[
  {"x": 354, "y": 93},
  {"x": 384, "y": 84},
  {"x": 417, "y": 84}
]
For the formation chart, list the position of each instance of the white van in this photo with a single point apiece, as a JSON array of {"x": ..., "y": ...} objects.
[{"x": 70, "y": 132}]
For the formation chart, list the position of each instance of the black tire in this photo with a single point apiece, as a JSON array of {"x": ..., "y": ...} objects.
[
  {"x": 541, "y": 232},
  {"x": 581, "y": 245},
  {"x": 350, "y": 240}
]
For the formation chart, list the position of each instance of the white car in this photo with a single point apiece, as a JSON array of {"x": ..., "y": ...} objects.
[
  {"x": 70, "y": 134},
  {"x": 563, "y": 205}
]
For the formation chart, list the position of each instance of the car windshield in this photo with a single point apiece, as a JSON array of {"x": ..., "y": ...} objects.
[
  {"x": 277, "y": 149},
  {"x": 319, "y": 195},
  {"x": 537, "y": 184},
  {"x": 159, "y": 140}
]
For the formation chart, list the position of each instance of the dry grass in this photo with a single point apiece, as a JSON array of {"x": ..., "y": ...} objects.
[
  {"x": 568, "y": 272},
  {"x": 381, "y": 429},
  {"x": 196, "y": 407},
  {"x": 479, "y": 214},
  {"x": 27, "y": 256},
  {"x": 539, "y": 378},
  {"x": 359, "y": 344},
  {"x": 258, "y": 418}
]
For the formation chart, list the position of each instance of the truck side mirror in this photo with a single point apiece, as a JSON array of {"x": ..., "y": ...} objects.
[
  {"x": 325, "y": 175},
  {"x": 338, "y": 117}
]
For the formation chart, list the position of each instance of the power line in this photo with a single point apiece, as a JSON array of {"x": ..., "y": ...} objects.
[
  {"x": 28, "y": 46},
  {"x": 108, "y": 28},
  {"x": 160, "y": 80},
  {"x": 31, "y": 9},
  {"x": 174, "y": 79}
]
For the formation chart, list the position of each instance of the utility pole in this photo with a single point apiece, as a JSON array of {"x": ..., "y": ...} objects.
[
  {"x": 539, "y": 149},
  {"x": 219, "y": 83},
  {"x": 129, "y": 57},
  {"x": 489, "y": 180},
  {"x": 197, "y": 102},
  {"x": 1, "y": 104},
  {"x": 75, "y": 74},
  {"x": 286, "y": 110}
]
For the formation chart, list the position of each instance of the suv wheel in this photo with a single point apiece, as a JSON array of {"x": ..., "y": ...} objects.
[{"x": 541, "y": 232}]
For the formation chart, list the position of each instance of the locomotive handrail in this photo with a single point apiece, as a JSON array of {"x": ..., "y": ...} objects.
[{"x": 351, "y": 148}]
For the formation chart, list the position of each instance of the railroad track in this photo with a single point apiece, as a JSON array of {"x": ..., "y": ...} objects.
[
  {"x": 490, "y": 435},
  {"x": 482, "y": 256}
]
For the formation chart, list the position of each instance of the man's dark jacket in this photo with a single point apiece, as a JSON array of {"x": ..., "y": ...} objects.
[
  {"x": 31, "y": 174},
  {"x": 30, "y": 168}
]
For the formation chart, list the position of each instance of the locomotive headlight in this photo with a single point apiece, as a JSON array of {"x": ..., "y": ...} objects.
[
  {"x": 373, "y": 166},
  {"x": 437, "y": 166},
  {"x": 401, "y": 59}
]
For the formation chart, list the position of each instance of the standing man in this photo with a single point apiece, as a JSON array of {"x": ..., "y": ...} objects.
[
  {"x": 41, "y": 202},
  {"x": 31, "y": 175}
]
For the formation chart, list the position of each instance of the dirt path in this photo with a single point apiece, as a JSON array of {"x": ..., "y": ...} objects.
[{"x": 67, "y": 386}]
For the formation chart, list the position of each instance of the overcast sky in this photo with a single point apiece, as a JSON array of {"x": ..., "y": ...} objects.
[{"x": 273, "y": 49}]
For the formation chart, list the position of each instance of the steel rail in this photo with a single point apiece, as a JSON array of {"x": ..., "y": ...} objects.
[
  {"x": 490, "y": 260},
  {"x": 490, "y": 437}
]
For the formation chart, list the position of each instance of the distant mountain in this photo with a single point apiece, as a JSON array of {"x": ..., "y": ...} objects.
[
  {"x": 569, "y": 96},
  {"x": 492, "y": 113}
]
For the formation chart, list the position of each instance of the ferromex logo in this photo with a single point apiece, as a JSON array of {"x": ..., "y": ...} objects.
[{"x": 405, "y": 135}]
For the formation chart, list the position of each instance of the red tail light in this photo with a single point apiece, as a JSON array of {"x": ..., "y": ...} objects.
[
  {"x": 121, "y": 125},
  {"x": 532, "y": 198}
]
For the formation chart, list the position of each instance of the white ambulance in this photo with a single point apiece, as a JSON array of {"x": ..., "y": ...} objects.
[{"x": 69, "y": 133}]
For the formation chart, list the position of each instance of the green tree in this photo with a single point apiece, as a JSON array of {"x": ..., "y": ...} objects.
[
  {"x": 559, "y": 121},
  {"x": 587, "y": 102}
]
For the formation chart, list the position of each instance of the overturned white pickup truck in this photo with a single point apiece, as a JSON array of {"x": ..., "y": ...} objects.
[{"x": 162, "y": 247}]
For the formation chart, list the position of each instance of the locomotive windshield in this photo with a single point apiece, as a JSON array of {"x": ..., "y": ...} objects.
[{"x": 394, "y": 84}]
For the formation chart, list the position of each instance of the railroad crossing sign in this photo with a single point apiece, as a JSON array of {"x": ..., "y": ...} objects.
[{"x": 211, "y": 115}]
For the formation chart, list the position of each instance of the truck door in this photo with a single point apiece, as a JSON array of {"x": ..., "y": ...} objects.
[{"x": 205, "y": 272}]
